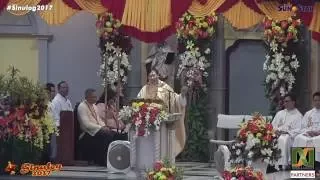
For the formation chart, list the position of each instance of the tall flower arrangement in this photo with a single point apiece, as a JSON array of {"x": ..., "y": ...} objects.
[
  {"x": 281, "y": 63},
  {"x": 115, "y": 48},
  {"x": 25, "y": 122},
  {"x": 255, "y": 140},
  {"x": 194, "y": 45}
]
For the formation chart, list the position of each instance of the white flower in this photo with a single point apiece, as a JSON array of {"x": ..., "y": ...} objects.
[
  {"x": 249, "y": 163},
  {"x": 265, "y": 66},
  {"x": 274, "y": 46},
  {"x": 207, "y": 51},
  {"x": 250, "y": 154},
  {"x": 238, "y": 152},
  {"x": 295, "y": 64},
  {"x": 286, "y": 69},
  {"x": 109, "y": 46},
  {"x": 287, "y": 58},
  {"x": 281, "y": 75}
]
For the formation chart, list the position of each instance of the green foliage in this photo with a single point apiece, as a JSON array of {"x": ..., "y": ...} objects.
[
  {"x": 18, "y": 152},
  {"x": 20, "y": 89},
  {"x": 196, "y": 148}
]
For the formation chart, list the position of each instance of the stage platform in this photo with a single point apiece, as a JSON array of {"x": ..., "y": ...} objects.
[{"x": 192, "y": 171}]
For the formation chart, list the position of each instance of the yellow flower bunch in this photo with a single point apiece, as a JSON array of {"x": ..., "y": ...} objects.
[
  {"x": 196, "y": 27},
  {"x": 281, "y": 31},
  {"x": 107, "y": 26},
  {"x": 137, "y": 104}
]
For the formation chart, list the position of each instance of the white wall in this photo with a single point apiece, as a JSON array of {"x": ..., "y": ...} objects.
[{"x": 73, "y": 54}]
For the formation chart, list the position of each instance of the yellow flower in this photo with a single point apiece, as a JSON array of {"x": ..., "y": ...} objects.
[
  {"x": 163, "y": 177},
  {"x": 140, "y": 104},
  {"x": 205, "y": 25},
  {"x": 210, "y": 30},
  {"x": 109, "y": 29},
  {"x": 118, "y": 24},
  {"x": 259, "y": 134}
]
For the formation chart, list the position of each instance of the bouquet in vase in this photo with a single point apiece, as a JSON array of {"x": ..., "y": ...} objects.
[
  {"x": 143, "y": 116},
  {"x": 255, "y": 140},
  {"x": 163, "y": 170},
  {"x": 243, "y": 173}
]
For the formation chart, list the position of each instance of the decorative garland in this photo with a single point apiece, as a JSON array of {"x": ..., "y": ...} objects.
[
  {"x": 115, "y": 47},
  {"x": 281, "y": 63},
  {"x": 194, "y": 46}
]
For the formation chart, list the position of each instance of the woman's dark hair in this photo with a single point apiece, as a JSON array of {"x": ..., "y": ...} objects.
[
  {"x": 292, "y": 96},
  {"x": 49, "y": 86},
  {"x": 111, "y": 94},
  {"x": 316, "y": 94}
]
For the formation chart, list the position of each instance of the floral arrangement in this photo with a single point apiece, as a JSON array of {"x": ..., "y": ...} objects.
[
  {"x": 243, "y": 173},
  {"x": 23, "y": 111},
  {"x": 194, "y": 45},
  {"x": 163, "y": 170},
  {"x": 115, "y": 48},
  {"x": 25, "y": 123},
  {"x": 143, "y": 116},
  {"x": 281, "y": 63},
  {"x": 255, "y": 140}
]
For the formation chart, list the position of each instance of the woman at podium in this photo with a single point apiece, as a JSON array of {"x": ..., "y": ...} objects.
[{"x": 155, "y": 89}]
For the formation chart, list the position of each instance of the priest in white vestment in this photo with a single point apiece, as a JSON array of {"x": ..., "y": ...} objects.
[
  {"x": 310, "y": 136},
  {"x": 287, "y": 124},
  {"x": 157, "y": 89}
]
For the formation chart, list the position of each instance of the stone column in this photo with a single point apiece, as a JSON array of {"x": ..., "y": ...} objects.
[
  {"x": 134, "y": 77},
  {"x": 144, "y": 55},
  {"x": 43, "y": 56},
  {"x": 217, "y": 81},
  {"x": 315, "y": 66}
]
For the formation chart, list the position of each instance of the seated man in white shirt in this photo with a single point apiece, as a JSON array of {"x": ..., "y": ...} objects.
[
  {"x": 59, "y": 103},
  {"x": 287, "y": 124},
  {"x": 96, "y": 137},
  {"x": 310, "y": 134}
]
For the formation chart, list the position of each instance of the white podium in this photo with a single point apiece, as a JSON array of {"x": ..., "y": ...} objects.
[{"x": 145, "y": 151}]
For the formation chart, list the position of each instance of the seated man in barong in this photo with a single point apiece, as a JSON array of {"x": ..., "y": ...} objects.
[
  {"x": 310, "y": 134},
  {"x": 176, "y": 103},
  {"x": 287, "y": 124}
]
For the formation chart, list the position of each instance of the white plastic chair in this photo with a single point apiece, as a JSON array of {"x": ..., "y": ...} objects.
[{"x": 231, "y": 122}]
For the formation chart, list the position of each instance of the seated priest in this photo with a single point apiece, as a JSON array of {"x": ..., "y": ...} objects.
[
  {"x": 287, "y": 124},
  {"x": 96, "y": 137},
  {"x": 310, "y": 136}
]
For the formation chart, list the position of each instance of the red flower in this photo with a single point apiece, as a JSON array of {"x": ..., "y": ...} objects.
[
  {"x": 269, "y": 127},
  {"x": 3, "y": 122},
  {"x": 267, "y": 138},
  {"x": 204, "y": 34},
  {"x": 227, "y": 175},
  {"x": 210, "y": 20},
  {"x": 284, "y": 24},
  {"x": 243, "y": 133},
  {"x": 141, "y": 131},
  {"x": 241, "y": 178},
  {"x": 191, "y": 24},
  {"x": 267, "y": 24},
  {"x": 171, "y": 178},
  {"x": 158, "y": 165},
  {"x": 253, "y": 128}
]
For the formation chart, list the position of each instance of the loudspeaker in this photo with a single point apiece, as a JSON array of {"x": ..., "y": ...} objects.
[{"x": 118, "y": 159}]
